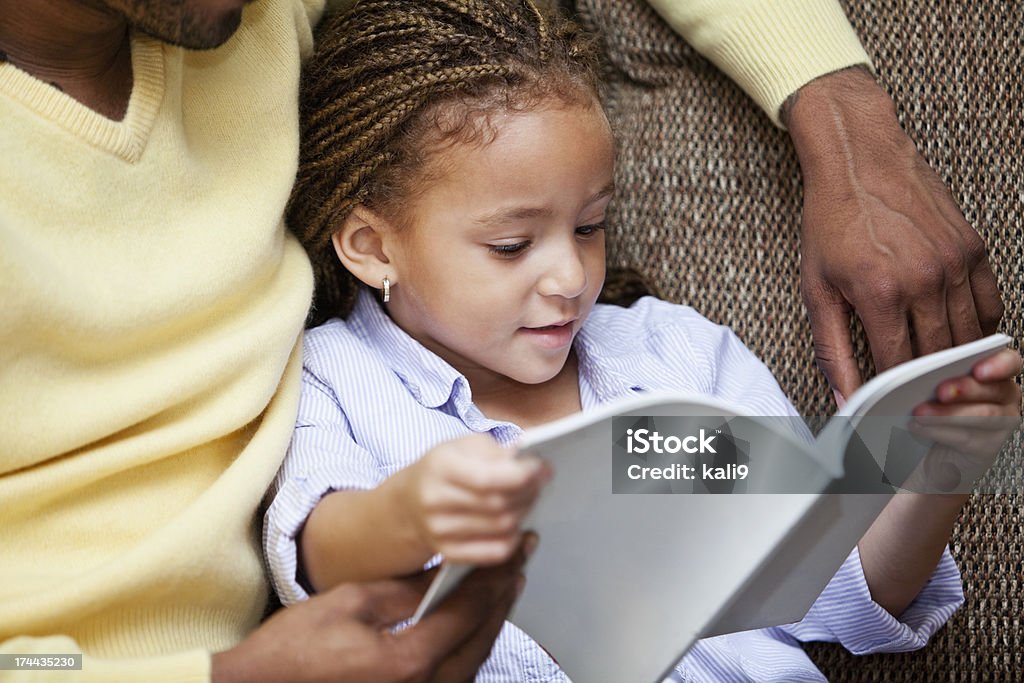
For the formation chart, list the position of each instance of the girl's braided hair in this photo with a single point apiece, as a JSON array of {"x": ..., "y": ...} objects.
[{"x": 393, "y": 80}]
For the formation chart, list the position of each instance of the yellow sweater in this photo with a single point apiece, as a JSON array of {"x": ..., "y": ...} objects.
[
  {"x": 150, "y": 305},
  {"x": 770, "y": 48}
]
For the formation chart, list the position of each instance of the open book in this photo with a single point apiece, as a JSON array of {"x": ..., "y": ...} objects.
[{"x": 625, "y": 580}]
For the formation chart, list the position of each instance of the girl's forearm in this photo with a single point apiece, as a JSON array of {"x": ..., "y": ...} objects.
[
  {"x": 903, "y": 546},
  {"x": 360, "y": 536}
]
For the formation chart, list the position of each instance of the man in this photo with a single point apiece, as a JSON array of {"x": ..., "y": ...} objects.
[
  {"x": 148, "y": 351},
  {"x": 152, "y": 305}
]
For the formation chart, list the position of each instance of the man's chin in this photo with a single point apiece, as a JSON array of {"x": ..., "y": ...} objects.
[
  {"x": 196, "y": 32},
  {"x": 207, "y": 35}
]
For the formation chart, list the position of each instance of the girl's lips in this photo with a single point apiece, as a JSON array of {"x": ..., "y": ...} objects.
[{"x": 551, "y": 336}]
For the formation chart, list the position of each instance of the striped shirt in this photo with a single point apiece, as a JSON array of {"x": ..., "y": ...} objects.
[{"x": 374, "y": 400}]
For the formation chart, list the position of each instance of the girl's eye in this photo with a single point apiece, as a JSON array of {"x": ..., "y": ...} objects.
[
  {"x": 508, "y": 249},
  {"x": 588, "y": 230}
]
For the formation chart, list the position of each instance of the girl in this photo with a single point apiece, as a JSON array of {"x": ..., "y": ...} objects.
[{"x": 456, "y": 164}]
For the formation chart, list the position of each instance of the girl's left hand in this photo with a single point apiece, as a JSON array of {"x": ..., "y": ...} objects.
[{"x": 973, "y": 415}]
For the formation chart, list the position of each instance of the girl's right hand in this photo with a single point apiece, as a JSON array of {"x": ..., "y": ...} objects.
[{"x": 468, "y": 497}]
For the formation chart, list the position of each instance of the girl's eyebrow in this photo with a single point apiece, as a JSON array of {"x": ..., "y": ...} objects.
[{"x": 518, "y": 213}]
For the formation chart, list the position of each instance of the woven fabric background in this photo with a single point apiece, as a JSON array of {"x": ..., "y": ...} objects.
[{"x": 708, "y": 207}]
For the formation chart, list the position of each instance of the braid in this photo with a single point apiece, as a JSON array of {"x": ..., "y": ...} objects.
[{"x": 384, "y": 82}]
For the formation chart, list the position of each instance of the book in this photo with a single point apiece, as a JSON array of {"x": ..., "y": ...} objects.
[{"x": 626, "y": 579}]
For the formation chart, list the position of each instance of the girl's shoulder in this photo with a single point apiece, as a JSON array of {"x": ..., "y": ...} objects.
[
  {"x": 649, "y": 322},
  {"x": 673, "y": 347},
  {"x": 658, "y": 344},
  {"x": 338, "y": 354},
  {"x": 331, "y": 338}
]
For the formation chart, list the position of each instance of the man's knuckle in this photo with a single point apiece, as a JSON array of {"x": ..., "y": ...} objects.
[
  {"x": 885, "y": 291},
  {"x": 927, "y": 277},
  {"x": 974, "y": 251},
  {"x": 818, "y": 292},
  {"x": 954, "y": 261}
]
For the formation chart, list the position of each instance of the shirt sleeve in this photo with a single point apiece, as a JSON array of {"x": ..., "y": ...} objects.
[
  {"x": 323, "y": 457},
  {"x": 770, "y": 48},
  {"x": 845, "y": 613}
]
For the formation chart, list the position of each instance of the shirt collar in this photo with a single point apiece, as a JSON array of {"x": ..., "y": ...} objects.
[
  {"x": 610, "y": 371},
  {"x": 431, "y": 381}
]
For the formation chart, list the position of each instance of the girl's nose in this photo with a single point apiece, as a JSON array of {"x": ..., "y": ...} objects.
[{"x": 566, "y": 275}]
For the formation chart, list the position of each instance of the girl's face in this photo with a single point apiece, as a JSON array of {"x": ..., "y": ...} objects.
[{"x": 505, "y": 255}]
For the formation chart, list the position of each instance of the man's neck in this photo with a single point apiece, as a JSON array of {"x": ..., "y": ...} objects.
[{"x": 75, "y": 46}]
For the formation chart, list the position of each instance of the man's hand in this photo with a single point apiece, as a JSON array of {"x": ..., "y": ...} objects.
[
  {"x": 881, "y": 235},
  {"x": 343, "y": 635}
]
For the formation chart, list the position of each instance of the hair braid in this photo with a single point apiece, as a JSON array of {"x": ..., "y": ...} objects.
[{"x": 391, "y": 76}]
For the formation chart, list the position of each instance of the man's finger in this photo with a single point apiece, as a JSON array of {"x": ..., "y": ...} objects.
[
  {"x": 483, "y": 596},
  {"x": 833, "y": 347},
  {"x": 987, "y": 301},
  {"x": 888, "y": 336},
  {"x": 931, "y": 324},
  {"x": 382, "y": 603},
  {"x": 964, "y": 325},
  {"x": 462, "y": 665}
]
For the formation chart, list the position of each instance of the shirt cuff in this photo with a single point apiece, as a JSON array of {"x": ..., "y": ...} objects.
[
  {"x": 285, "y": 518},
  {"x": 845, "y": 612},
  {"x": 770, "y": 49}
]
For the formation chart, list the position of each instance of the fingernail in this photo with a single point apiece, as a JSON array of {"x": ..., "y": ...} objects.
[
  {"x": 840, "y": 401},
  {"x": 949, "y": 392}
]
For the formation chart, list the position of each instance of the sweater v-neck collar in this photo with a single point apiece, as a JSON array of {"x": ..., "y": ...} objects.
[{"x": 125, "y": 138}]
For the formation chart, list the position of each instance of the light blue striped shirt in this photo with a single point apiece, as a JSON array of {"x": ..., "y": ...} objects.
[{"x": 374, "y": 400}]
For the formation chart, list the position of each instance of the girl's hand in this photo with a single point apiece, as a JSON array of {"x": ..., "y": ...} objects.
[
  {"x": 467, "y": 498},
  {"x": 970, "y": 419}
]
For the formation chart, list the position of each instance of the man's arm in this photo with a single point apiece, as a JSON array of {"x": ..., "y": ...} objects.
[
  {"x": 881, "y": 236},
  {"x": 770, "y": 48}
]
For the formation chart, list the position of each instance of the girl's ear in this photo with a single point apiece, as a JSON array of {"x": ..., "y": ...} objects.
[{"x": 359, "y": 244}]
